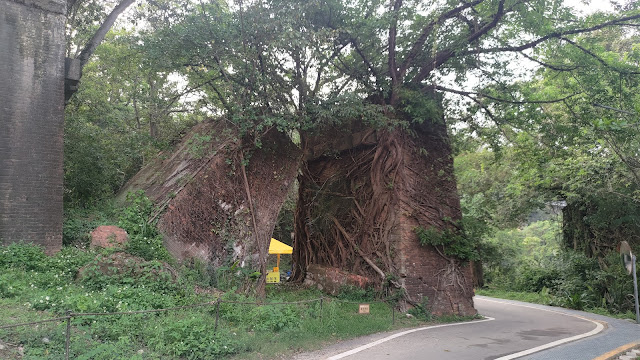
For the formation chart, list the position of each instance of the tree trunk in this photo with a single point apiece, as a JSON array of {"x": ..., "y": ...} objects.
[{"x": 92, "y": 44}]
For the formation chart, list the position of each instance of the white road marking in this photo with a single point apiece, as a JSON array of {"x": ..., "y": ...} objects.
[
  {"x": 599, "y": 328},
  {"x": 391, "y": 337}
]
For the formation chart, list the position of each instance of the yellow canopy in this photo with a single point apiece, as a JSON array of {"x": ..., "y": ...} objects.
[{"x": 277, "y": 247}]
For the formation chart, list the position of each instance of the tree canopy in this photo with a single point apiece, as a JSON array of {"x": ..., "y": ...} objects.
[{"x": 301, "y": 65}]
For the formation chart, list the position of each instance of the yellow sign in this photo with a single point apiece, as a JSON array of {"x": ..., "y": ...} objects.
[
  {"x": 277, "y": 247},
  {"x": 273, "y": 277},
  {"x": 364, "y": 309}
]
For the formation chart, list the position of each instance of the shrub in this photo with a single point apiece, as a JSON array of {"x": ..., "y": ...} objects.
[
  {"x": 191, "y": 336},
  {"x": 144, "y": 239},
  {"x": 274, "y": 317},
  {"x": 454, "y": 243},
  {"x": 422, "y": 310},
  {"x": 23, "y": 256},
  {"x": 79, "y": 222},
  {"x": 533, "y": 278},
  {"x": 355, "y": 293}
]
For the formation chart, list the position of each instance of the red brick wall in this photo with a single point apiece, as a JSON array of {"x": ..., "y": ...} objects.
[
  {"x": 32, "y": 46},
  {"x": 428, "y": 197}
]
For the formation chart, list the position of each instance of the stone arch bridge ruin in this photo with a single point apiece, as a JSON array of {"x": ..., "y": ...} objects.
[{"x": 362, "y": 192}]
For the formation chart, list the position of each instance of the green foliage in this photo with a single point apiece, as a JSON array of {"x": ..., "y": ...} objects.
[
  {"x": 198, "y": 145},
  {"x": 34, "y": 287},
  {"x": 275, "y": 317},
  {"x": 542, "y": 297},
  {"x": 260, "y": 318},
  {"x": 101, "y": 272},
  {"x": 144, "y": 239},
  {"x": 23, "y": 256},
  {"x": 356, "y": 293},
  {"x": 123, "y": 113},
  {"x": 422, "y": 310},
  {"x": 452, "y": 242},
  {"x": 76, "y": 231},
  {"x": 562, "y": 278},
  {"x": 235, "y": 277},
  {"x": 496, "y": 189},
  {"x": 80, "y": 221},
  {"x": 190, "y": 336},
  {"x": 420, "y": 108},
  {"x": 515, "y": 256}
]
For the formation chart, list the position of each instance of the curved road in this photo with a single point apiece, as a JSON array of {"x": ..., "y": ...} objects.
[{"x": 512, "y": 330}]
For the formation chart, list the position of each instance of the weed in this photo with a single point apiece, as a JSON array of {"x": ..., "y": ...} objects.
[
  {"x": 39, "y": 287},
  {"x": 452, "y": 242},
  {"x": 422, "y": 310},
  {"x": 144, "y": 239},
  {"x": 198, "y": 145},
  {"x": 356, "y": 293}
]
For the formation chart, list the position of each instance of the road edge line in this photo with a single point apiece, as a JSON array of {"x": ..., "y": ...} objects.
[
  {"x": 598, "y": 329},
  {"x": 617, "y": 351},
  {"x": 391, "y": 337}
]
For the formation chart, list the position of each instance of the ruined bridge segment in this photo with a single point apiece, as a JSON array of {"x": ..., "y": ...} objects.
[
  {"x": 32, "y": 47},
  {"x": 364, "y": 192}
]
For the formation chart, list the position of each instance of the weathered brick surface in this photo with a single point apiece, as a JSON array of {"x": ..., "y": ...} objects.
[
  {"x": 419, "y": 191},
  {"x": 332, "y": 280},
  {"x": 445, "y": 282},
  {"x": 32, "y": 48}
]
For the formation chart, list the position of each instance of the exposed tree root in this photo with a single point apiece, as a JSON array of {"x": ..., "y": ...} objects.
[{"x": 358, "y": 210}]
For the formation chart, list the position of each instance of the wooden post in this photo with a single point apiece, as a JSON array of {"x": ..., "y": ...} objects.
[
  {"x": 68, "y": 336},
  {"x": 217, "y": 315},
  {"x": 393, "y": 314},
  {"x": 635, "y": 287}
]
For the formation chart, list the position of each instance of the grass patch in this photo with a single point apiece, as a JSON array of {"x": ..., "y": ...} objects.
[
  {"x": 531, "y": 297},
  {"x": 37, "y": 287},
  {"x": 544, "y": 298}
]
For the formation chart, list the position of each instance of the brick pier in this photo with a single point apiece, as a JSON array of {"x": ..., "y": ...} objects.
[{"x": 32, "y": 49}]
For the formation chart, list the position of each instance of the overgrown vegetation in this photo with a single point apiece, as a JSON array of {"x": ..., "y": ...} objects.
[
  {"x": 566, "y": 134},
  {"x": 530, "y": 264},
  {"x": 449, "y": 242},
  {"x": 300, "y": 67},
  {"x": 35, "y": 287},
  {"x": 144, "y": 239},
  {"x": 141, "y": 276}
]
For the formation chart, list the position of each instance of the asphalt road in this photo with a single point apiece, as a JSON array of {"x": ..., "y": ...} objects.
[{"x": 512, "y": 330}]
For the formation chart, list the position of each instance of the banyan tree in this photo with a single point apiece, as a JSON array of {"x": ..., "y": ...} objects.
[{"x": 349, "y": 97}]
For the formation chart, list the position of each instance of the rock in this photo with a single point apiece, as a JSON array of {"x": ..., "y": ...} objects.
[
  {"x": 46, "y": 340},
  {"x": 2, "y": 347},
  {"x": 108, "y": 236},
  {"x": 409, "y": 316}
]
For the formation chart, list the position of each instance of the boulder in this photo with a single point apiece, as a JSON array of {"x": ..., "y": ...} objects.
[{"x": 108, "y": 236}]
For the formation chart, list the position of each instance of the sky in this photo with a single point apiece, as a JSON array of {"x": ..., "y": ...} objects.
[{"x": 588, "y": 7}]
